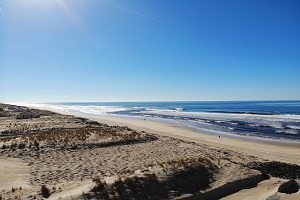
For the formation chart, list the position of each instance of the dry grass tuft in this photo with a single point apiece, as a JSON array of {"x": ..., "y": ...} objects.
[{"x": 76, "y": 138}]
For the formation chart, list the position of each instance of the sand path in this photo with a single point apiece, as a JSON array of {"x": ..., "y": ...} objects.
[
  {"x": 262, "y": 191},
  {"x": 73, "y": 190},
  {"x": 13, "y": 173}
]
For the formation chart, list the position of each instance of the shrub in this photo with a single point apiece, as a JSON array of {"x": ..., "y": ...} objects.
[
  {"x": 36, "y": 144},
  {"x": 45, "y": 191},
  {"x": 13, "y": 146},
  {"x": 100, "y": 185},
  {"x": 22, "y": 146}
]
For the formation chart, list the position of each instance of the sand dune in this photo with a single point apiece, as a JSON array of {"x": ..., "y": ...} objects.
[{"x": 90, "y": 160}]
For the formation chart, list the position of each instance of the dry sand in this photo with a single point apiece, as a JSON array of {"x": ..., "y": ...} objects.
[
  {"x": 67, "y": 160},
  {"x": 277, "y": 151},
  {"x": 13, "y": 173},
  {"x": 271, "y": 150},
  {"x": 263, "y": 190}
]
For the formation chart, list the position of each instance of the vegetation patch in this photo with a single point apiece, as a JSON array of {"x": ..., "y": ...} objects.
[
  {"x": 76, "y": 138},
  {"x": 277, "y": 169},
  {"x": 186, "y": 176}
]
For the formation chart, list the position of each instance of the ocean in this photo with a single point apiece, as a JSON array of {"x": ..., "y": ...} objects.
[{"x": 274, "y": 120}]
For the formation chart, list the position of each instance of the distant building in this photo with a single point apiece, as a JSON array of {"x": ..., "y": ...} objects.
[
  {"x": 27, "y": 115},
  {"x": 19, "y": 110},
  {"x": 10, "y": 107}
]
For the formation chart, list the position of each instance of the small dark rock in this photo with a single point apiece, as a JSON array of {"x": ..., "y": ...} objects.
[
  {"x": 45, "y": 191},
  {"x": 289, "y": 187}
]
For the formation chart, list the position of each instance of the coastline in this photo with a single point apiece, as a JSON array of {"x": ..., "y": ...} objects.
[
  {"x": 270, "y": 150},
  {"x": 277, "y": 151},
  {"x": 80, "y": 156}
]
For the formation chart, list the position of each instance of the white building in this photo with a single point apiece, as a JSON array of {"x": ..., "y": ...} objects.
[{"x": 27, "y": 115}]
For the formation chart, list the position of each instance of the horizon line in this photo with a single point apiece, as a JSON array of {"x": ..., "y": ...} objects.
[{"x": 153, "y": 101}]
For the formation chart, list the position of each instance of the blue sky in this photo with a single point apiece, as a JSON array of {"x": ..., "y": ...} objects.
[{"x": 151, "y": 50}]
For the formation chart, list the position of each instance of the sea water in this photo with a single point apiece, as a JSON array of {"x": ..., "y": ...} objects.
[{"x": 279, "y": 120}]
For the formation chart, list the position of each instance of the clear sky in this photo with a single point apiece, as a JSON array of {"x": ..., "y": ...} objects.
[{"x": 149, "y": 50}]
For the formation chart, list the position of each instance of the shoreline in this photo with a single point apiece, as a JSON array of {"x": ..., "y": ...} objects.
[
  {"x": 281, "y": 127},
  {"x": 269, "y": 150},
  {"x": 286, "y": 152},
  {"x": 80, "y": 156},
  {"x": 207, "y": 132}
]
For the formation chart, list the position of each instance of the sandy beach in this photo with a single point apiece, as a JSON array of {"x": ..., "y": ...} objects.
[
  {"x": 105, "y": 157},
  {"x": 277, "y": 151},
  {"x": 149, "y": 100}
]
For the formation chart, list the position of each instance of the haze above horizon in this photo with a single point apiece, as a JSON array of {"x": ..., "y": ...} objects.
[{"x": 102, "y": 51}]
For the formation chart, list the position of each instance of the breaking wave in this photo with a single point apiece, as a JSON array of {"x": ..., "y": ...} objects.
[{"x": 262, "y": 122}]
